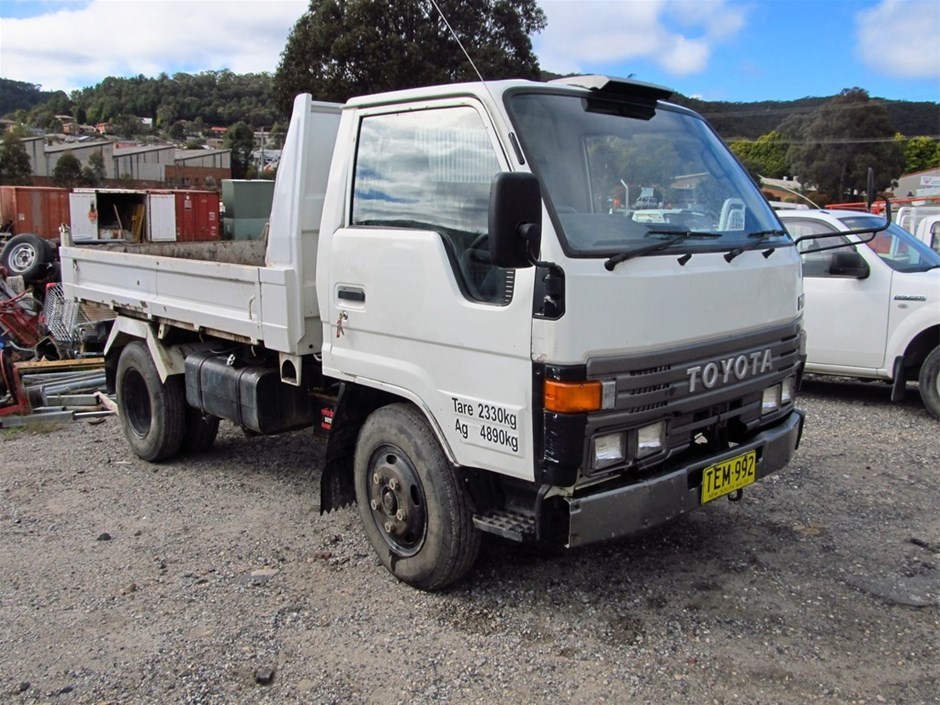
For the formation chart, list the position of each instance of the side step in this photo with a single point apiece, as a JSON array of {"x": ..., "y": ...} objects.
[{"x": 507, "y": 523}]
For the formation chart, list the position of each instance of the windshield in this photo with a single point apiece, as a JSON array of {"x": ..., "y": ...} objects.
[
  {"x": 895, "y": 246},
  {"x": 618, "y": 180}
]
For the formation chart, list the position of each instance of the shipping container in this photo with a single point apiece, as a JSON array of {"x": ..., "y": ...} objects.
[
  {"x": 247, "y": 207},
  {"x": 144, "y": 215},
  {"x": 197, "y": 216},
  {"x": 33, "y": 209}
]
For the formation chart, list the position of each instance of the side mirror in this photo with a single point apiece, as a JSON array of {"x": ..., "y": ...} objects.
[
  {"x": 849, "y": 264},
  {"x": 515, "y": 219}
]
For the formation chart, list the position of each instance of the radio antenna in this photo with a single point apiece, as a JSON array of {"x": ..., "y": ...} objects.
[{"x": 459, "y": 43}]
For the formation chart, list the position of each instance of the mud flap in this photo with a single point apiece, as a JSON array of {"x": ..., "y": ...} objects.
[{"x": 900, "y": 381}]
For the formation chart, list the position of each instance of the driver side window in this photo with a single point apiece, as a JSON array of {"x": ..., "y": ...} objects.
[
  {"x": 815, "y": 264},
  {"x": 431, "y": 170}
]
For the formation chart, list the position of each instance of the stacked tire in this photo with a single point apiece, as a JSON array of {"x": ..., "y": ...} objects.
[{"x": 29, "y": 256}]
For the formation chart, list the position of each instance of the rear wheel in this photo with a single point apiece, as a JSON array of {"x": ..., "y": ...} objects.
[
  {"x": 415, "y": 510},
  {"x": 26, "y": 255},
  {"x": 929, "y": 382},
  {"x": 152, "y": 412}
]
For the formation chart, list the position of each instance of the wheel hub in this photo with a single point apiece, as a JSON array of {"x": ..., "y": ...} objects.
[
  {"x": 397, "y": 501},
  {"x": 389, "y": 503},
  {"x": 22, "y": 258}
]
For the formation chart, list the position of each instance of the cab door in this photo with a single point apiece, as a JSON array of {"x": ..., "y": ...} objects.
[
  {"x": 416, "y": 307},
  {"x": 845, "y": 314}
]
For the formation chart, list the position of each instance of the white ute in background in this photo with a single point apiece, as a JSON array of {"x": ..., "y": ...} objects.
[{"x": 872, "y": 310}]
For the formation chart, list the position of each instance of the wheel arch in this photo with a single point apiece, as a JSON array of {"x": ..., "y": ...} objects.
[
  {"x": 168, "y": 360},
  {"x": 917, "y": 350},
  {"x": 354, "y": 404}
]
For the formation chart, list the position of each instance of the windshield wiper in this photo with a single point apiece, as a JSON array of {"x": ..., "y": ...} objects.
[
  {"x": 760, "y": 237},
  {"x": 676, "y": 235}
]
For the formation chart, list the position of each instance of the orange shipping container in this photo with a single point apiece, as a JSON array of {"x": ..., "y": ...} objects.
[
  {"x": 34, "y": 209},
  {"x": 197, "y": 215}
]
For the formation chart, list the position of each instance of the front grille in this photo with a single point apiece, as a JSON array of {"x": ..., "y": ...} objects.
[
  {"x": 649, "y": 371},
  {"x": 694, "y": 378},
  {"x": 697, "y": 389},
  {"x": 647, "y": 407},
  {"x": 705, "y": 412}
]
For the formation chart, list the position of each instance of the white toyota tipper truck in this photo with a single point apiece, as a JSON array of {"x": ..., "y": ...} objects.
[{"x": 444, "y": 288}]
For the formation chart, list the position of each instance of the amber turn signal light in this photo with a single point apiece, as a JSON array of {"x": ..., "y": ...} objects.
[{"x": 572, "y": 397}]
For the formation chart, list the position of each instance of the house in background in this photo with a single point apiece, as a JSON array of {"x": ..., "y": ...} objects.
[{"x": 920, "y": 183}]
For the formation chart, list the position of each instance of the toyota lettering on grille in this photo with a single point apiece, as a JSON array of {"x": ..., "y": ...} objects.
[{"x": 729, "y": 369}]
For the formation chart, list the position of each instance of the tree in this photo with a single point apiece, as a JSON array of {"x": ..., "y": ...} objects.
[
  {"x": 277, "y": 135},
  {"x": 241, "y": 140},
  {"x": 341, "y": 48},
  {"x": 838, "y": 143},
  {"x": 15, "y": 169},
  {"x": 68, "y": 171},
  {"x": 921, "y": 153},
  {"x": 128, "y": 125},
  {"x": 93, "y": 174},
  {"x": 765, "y": 156},
  {"x": 177, "y": 131}
]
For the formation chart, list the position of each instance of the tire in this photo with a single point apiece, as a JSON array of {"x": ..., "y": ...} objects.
[
  {"x": 52, "y": 247},
  {"x": 415, "y": 511},
  {"x": 201, "y": 430},
  {"x": 928, "y": 382},
  {"x": 153, "y": 413},
  {"x": 54, "y": 272},
  {"x": 26, "y": 255}
]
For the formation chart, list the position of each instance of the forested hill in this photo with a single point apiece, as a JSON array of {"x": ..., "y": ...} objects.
[
  {"x": 223, "y": 98},
  {"x": 751, "y": 120},
  {"x": 19, "y": 95}
]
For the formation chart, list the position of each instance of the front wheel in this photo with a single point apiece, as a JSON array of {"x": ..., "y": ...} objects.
[
  {"x": 415, "y": 510},
  {"x": 929, "y": 382},
  {"x": 153, "y": 413}
]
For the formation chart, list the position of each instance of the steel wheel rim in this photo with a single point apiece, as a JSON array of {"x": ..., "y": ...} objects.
[
  {"x": 396, "y": 500},
  {"x": 22, "y": 257}
]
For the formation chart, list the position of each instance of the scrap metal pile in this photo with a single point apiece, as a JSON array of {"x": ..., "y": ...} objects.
[{"x": 50, "y": 355}]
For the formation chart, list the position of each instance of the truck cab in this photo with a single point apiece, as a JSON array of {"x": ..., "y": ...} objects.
[{"x": 601, "y": 377}]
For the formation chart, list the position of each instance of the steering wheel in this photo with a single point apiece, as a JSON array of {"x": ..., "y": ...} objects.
[
  {"x": 475, "y": 256},
  {"x": 479, "y": 249}
]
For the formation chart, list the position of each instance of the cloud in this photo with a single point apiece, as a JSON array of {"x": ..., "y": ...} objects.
[
  {"x": 678, "y": 36},
  {"x": 900, "y": 38},
  {"x": 79, "y": 45}
]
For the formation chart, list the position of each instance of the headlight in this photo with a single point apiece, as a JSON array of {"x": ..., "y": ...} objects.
[
  {"x": 786, "y": 390},
  {"x": 650, "y": 440},
  {"x": 609, "y": 450},
  {"x": 771, "y": 400}
]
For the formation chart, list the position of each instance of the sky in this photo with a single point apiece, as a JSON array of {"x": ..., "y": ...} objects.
[{"x": 723, "y": 50}]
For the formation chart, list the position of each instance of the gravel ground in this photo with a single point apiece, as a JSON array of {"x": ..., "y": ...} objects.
[{"x": 214, "y": 580}]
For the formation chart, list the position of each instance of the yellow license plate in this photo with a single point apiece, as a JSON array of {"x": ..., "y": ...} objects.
[{"x": 727, "y": 476}]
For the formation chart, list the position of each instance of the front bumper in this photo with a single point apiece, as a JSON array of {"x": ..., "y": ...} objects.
[{"x": 633, "y": 508}]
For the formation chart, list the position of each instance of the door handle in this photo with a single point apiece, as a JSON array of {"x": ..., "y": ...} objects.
[{"x": 347, "y": 293}]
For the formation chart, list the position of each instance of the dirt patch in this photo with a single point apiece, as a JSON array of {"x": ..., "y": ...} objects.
[{"x": 219, "y": 582}]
